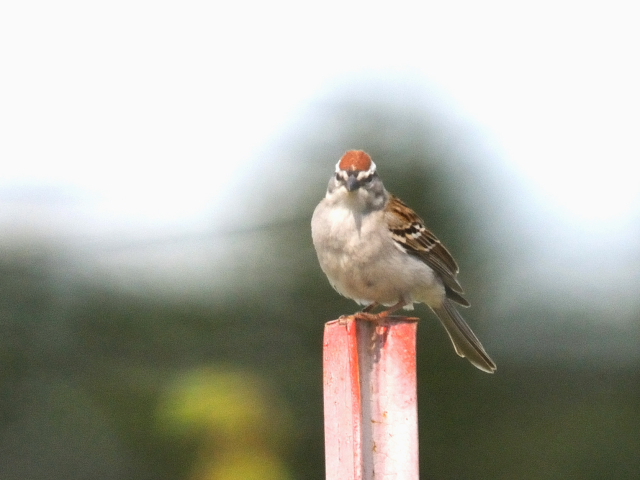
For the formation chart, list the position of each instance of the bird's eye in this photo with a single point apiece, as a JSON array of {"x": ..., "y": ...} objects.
[
  {"x": 337, "y": 176},
  {"x": 367, "y": 179}
]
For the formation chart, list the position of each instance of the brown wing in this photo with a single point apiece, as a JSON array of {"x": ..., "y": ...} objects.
[{"x": 409, "y": 232}]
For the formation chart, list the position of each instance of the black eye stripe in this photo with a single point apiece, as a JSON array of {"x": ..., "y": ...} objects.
[
  {"x": 359, "y": 175},
  {"x": 368, "y": 178}
]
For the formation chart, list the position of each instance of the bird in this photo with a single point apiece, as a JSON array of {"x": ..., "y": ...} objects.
[{"x": 377, "y": 251}]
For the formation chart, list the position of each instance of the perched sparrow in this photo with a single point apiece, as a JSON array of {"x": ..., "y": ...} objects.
[{"x": 377, "y": 251}]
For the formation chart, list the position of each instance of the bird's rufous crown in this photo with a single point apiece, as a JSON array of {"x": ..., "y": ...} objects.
[{"x": 356, "y": 160}]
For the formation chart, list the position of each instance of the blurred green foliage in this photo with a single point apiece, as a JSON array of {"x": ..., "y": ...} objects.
[{"x": 102, "y": 381}]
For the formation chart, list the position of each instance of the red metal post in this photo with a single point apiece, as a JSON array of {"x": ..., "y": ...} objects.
[{"x": 370, "y": 400}]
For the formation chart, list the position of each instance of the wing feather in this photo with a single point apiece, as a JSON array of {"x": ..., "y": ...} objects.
[{"x": 409, "y": 233}]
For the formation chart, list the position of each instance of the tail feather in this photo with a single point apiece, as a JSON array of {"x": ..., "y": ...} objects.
[{"x": 464, "y": 340}]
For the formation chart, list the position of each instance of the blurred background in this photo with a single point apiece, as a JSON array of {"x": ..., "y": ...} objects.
[{"x": 161, "y": 306}]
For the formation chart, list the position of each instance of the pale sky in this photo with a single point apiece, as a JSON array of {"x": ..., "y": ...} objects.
[{"x": 118, "y": 103}]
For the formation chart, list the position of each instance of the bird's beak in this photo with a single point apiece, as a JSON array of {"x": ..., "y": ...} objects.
[{"x": 352, "y": 183}]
